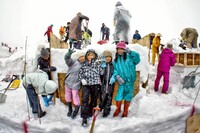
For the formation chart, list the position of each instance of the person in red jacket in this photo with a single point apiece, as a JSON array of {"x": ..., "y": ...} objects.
[
  {"x": 48, "y": 32},
  {"x": 167, "y": 59}
]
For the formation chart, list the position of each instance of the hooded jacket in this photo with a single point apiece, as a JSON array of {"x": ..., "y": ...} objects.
[
  {"x": 167, "y": 59},
  {"x": 72, "y": 79},
  {"x": 39, "y": 80}
]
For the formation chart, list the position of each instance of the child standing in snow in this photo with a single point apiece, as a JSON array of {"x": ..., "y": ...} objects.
[
  {"x": 38, "y": 83},
  {"x": 90, "y": 77},
  {"x": 72, "y": 82},
  {"x": 44, "y": 65},
  {"x": 125, "y": 73},
  {"x": 106, "y": 88},
  {"x": 167, "y": 59}
]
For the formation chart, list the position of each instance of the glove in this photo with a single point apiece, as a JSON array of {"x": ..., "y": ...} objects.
[
  {"x": 112, "y": 80},
  {"x": 127, "y": 50},
  {"x": 52, "y": 68},
  {"x": 103, "y": 62},
  {"x": 71, "y": 51},
  {"x": 103, "y": 65},
  {"x": 119, "y": 80},
  {"x": 84, "y": 82}
]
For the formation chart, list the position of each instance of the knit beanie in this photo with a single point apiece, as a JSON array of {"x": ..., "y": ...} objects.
[
  {"x": 107, "y": 53},
  {"x": 44, "y": 52},
  {"x": 121, "y": 45}
]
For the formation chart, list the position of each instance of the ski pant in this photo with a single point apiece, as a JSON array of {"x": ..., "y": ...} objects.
[
  {"x": 106, "y": 102},
  {"x": 125, "y": 92},
  {"x": 154, "y": 53},
  {"x": 71, "y": 94},
  {"x": 87, "y": 106},
  {"x": 165, "y": 80},
  {"x": 33, "y": 99}
]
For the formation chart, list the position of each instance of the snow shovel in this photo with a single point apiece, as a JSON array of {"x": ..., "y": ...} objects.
[
  {"x": 97, "y": 110},
  {"x": 3, "y": 95}
]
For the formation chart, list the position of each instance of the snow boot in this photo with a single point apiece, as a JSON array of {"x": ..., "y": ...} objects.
[
  {"x": 50, "y": 98},
  {"x": 84, "y": 122},
  {"x": 126, "y": 106},
  {"x": 75, "y": 112},
  {"x": 46, "y": 102},
  {"x": 70, "y": 109},
  {"x": 118, "y": 109},
  {"x": 40, "y": 115}
]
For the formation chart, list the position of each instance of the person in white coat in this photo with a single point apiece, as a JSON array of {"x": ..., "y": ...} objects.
[{"x": 35, "y": 84}]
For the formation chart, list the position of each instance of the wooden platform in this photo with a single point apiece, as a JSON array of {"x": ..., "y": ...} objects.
[
  {"x": 57, "y": 43},
  {"x": 61, "y": 89},
  {"x": 144, "y": 41},
  {"x": 188, "y": 59}
]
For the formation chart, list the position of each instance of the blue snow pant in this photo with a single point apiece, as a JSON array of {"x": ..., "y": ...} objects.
[
  {"x": 33, "y": 99},
  {"x": 125, "y": 92}
]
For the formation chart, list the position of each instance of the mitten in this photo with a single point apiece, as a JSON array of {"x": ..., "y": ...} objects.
[
  {"x": 119, "y": 79},
  {"x": 103, "y": 65},
  {"x": 127, "y": 50},
  {"x": 71, "y": 51},
  {"x": 52, "y": 68},
  {"x": 112, "y": 80},
  {"x": 84, "y": 82}
]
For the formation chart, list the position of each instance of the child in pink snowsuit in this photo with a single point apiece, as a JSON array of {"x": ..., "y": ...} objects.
[{"x": 167, "y": 59}]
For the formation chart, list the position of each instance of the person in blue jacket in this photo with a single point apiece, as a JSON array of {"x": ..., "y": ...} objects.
[
  {"x": 125, "y": 74},
  {"x": 136, "y": 35}
]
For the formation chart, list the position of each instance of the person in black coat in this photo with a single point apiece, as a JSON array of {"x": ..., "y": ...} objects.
[
  {"x": 106, "y": 92},
  {"x": 44, "y": 65}
]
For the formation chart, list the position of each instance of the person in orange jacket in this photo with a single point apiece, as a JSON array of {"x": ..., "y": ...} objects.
[
  {"x": 155, "y": 47},
  {"x": 62, "y": 32},
  {"x": 48, "y": 32}
]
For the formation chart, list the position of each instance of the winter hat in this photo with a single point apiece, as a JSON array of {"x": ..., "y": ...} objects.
[
  {"x": 91, "y": 51},
  {"x": 50, "y": 86},
  {"x": 158, "y": 34},
  {"x": 78, "y": 54},
  {"x": 44, "y": 52},
  {"x": 121, "y": 45},
  {"x": 79, "y": 14},
  {"x": 107, "y": 53},
  {"x": 118, "y": 4},
  {"x": 169, "y": 45}
]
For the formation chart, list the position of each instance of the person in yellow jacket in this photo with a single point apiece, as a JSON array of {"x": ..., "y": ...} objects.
[
  {"x": 155, "y": 48},
  {"x": 86, "y": 39}
]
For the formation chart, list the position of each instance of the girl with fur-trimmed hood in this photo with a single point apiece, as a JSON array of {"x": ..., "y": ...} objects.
[
  {"x": 90, "y": 77},
  {"x": 72, "y": 82}
]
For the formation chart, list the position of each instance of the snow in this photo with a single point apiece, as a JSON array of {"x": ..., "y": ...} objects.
[{"x": 149, "y": 111}]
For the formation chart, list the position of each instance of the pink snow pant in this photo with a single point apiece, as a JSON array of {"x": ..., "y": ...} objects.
[
  {"x": 71, "y": 94},
  {"x": 165, "y": 80}
]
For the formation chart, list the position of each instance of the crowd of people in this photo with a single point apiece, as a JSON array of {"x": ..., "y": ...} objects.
[{"x": 94, "y": 77}]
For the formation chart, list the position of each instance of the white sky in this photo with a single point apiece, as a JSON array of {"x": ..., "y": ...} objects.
[{"x": 31, "y": 18}]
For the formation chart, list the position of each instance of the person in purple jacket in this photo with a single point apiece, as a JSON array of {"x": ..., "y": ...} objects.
[{"x": 167, "y": 59}]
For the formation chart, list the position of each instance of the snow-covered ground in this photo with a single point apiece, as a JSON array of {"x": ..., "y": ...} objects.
[{"x": 149, "y": 112}]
